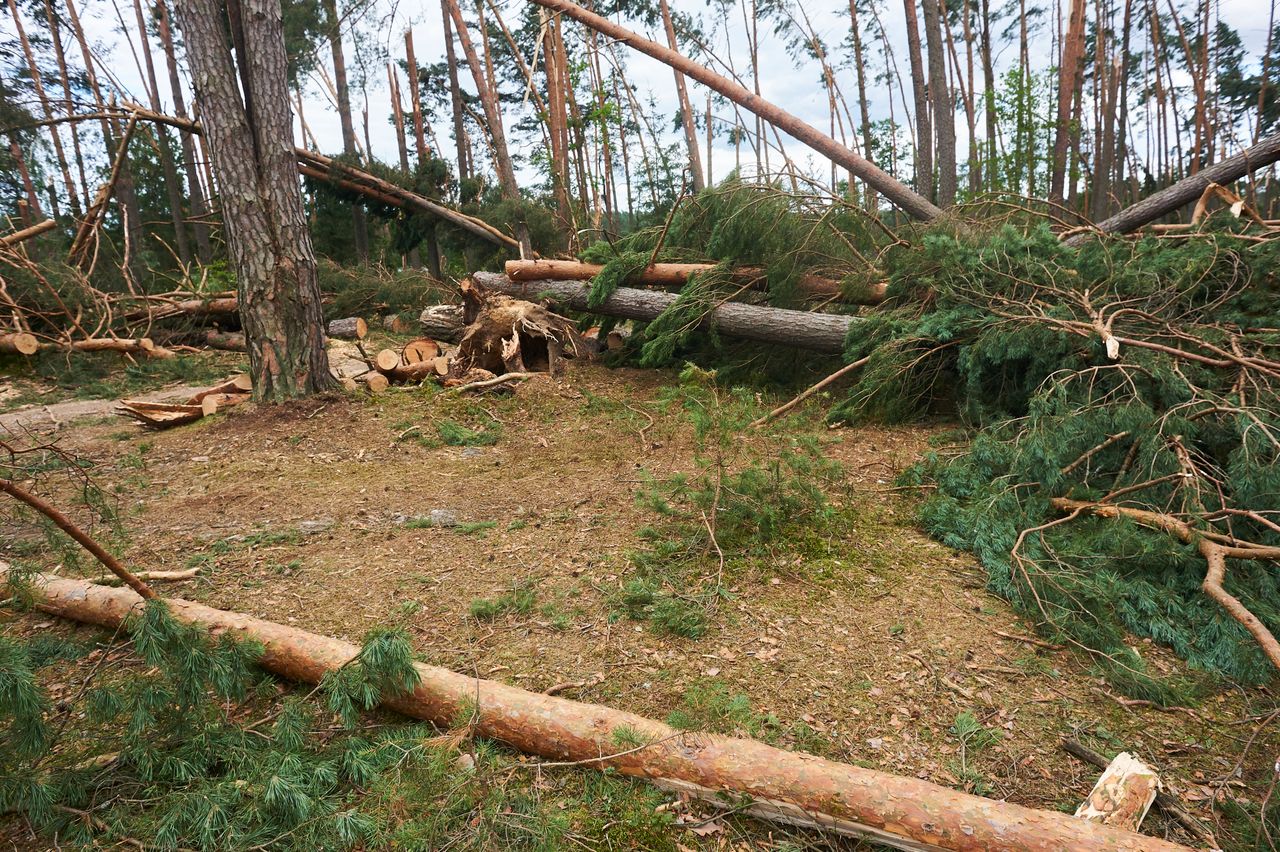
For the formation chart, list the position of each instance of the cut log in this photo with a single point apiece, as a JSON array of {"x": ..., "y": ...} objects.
[
  {"x": 27, "y": 233},
  {"x": 785, "y": 786},
  {"x": 215, "y": 402},
  {"x": 397, "y": 324},
  {"x": 677, "y": 275},
  {"x": 161, "y": 415},
  {"x": 386, "y": 360},
  {"x": 19, "y": 343},
  {"x": 229, "y": 341},
  {"x": 411, "y": 373},
  {"x": 348, "y": 328},
  {"x": 1123, "y": 794},
  {"x": 376, "y": 382},
  {"x": 130, "y": 346},
  {"x": 442, "y": 322},
  {"x": 441, "y": 363},
  {"x": 860, "y": 167},
  {"x": 803, "y": 329},
  {"x": 195, "y": 308},
  {"x": 422, "y": 349},
  {"x": 239, "y": 384}
]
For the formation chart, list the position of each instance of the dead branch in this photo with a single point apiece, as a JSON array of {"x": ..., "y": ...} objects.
[
  {"x": 27, "y": 233},
  {"x": 805, "y": 394},
  {"x": 81, "y": 537}
]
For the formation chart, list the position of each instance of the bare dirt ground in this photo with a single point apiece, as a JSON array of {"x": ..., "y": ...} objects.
[{"x": 865, "y": 646}]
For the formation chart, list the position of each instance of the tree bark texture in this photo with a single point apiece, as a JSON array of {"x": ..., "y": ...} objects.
[
  {"x": 783, "y": 786},
  {"x": 944, "y": 114},
  {"x": 920, "y": 93},
  {"x": 803, "y": 329},
  {"x": 279, "y": 296},
  {"x": 195, "y": 192},
  {"x": 895, "y": 191},
  {"x": 358, "y": 220}
]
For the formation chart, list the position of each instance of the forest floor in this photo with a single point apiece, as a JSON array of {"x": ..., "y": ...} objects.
[{"x": 862, "y": 639}]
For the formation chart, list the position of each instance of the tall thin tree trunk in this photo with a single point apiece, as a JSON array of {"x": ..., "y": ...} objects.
[
  {"x": 989, "y": 100},
  {"x": 419, "y": 133},
  {"x": 68, "y": 101},
  {"x": 358, "y": 219},
  {"x": 173, "y": 188},
  {"x": 126, "y": 196},
  {"x": 195, "y": 193},
  {"x": 262, "y": 209},
  {"x": 686, "y": 111},
  {"x": 34, "y": 210},
  {"x": 864, "y": 112},
  {"x": 1069, "y": 70},
  {"x": 924, "y": 124},
  {"x": 455, "y": 95},
  {"x": 944, "y": 114},
  {"x": 493, "y": 116},
  {"x": 47, "y": 108}
]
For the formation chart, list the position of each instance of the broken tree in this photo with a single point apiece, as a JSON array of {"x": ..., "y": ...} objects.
[
  {"x": 765, "y": 782},
  {"x": 806, "y": 330}
]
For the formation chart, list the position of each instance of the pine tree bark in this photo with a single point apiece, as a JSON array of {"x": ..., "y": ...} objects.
[
  {"x": 411, "y": 66},
  {"x": 359, "y": 221},
  {"x": 172, "y": 187},
  {"x": 1068, "y": 76},
  {"x": 195, "y": 192},
  {"x": 279, "y": 296},
  {"x": 944, "y": 114},
  {"x": 864, "y": 112},
  {"x": 989, "y": 98},
  {"x": 920, "y": 93},
  {"x": 686, "y": 111},
  {"x": 493, "y": 117},
  {"x": 37, "y": 82}
]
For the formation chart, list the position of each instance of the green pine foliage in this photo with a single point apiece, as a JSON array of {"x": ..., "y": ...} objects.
[
  {"x": 1004, "y": 327},
  {"x": 743, "y": 500}
]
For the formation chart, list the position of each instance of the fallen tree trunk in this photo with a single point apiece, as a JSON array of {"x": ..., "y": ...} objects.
[
  {"x": 167, "y": 307},
  {"x": 677, "y": 275},
  {"x": 349, "y": 328},
  {"x": 19, "y": 343},
  {"x": 27, "y": 233},
  {"x": 803, "y": 329},
  {"x": 868, "y": 172},
  {"x": 442, "y": 322},
  {"x": 1186, "y": 190},
  {"x": 126, "y": 345},
  {"x": 782, "y": 786},
  {"x": 228, "y": 341}
]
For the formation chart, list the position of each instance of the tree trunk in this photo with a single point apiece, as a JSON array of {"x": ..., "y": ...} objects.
[
  {"x": 358, "y": 220},
  {"x": 557, "y": 120},
  {"x": 1068, "y": 79},
  {"x": 989, "y": 98},
  {"x": 1189, "y": 189},
  {"x": 131, "y": 218},
  {"x": 864, "y": 113},
  {"x": 493, "y": 117},
  {"x": 802, "y": 329},
  {"x": 34, "y": 210},
  {"x": 402, "y": 145},
  {"x": 686, "y": 111},
  {"x": 895, "y": 191},
  {"x": 172, "y": 187},
  {"x": 279, "y": 297},
  {"x": 195, "y": 192},
  {"x": 924, "y": 123},
  {"x": 783, "y": 786},
  {"x": 411, "y": 67},
  {"x": 455, "y": 95},
  {"x": 68, "y": 100},
  {"x": 944, "y": 114}
]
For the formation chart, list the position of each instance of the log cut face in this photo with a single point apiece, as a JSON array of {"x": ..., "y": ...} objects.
[
  {"x": 510, "y": 335},
  {"x": 1123, "y": 794},
  {"x": 904, "y": 812}
]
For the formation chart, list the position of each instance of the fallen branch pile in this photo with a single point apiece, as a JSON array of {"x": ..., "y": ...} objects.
[{"x": 782, "y": 786}]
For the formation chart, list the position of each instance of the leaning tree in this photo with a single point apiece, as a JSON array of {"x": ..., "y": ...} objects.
[{"x": 250, "y": 132}]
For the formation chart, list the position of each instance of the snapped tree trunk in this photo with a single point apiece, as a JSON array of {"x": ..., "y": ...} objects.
[
  {"x": 279, "y": 296},
  {"x": 455, "y": 96},
  {"x": 783, "y": 786},
  {"x": 1068, "y": 75},
  {"x": 860, "y": 167},
  {"x": 1189, "y": 189}
]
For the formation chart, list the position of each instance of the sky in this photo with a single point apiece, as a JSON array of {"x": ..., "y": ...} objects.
[{"x": 796, "y": 86}]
